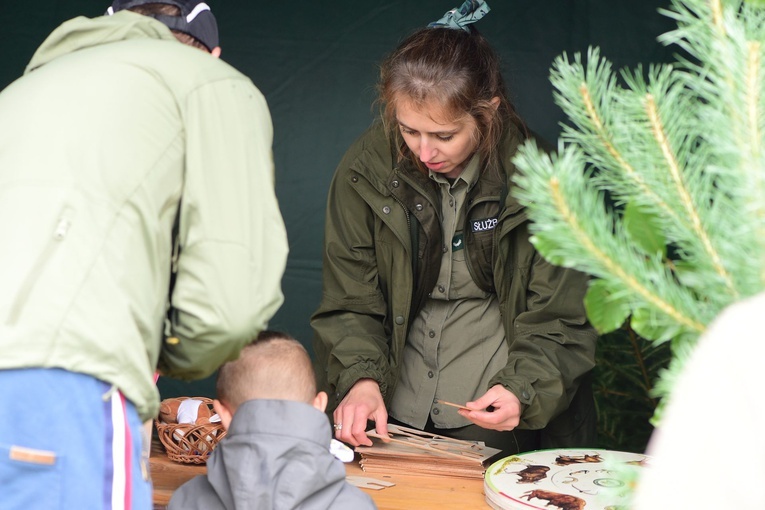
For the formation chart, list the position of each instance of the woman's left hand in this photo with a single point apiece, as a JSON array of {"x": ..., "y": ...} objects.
[{"x": 506, "y": 412}]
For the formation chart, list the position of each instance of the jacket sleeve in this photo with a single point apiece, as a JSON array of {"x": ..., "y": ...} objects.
[
  {"x": 350, "y": 338},
  {"x": 552, "y": 345},
  {"x": 233, "y": 244}
]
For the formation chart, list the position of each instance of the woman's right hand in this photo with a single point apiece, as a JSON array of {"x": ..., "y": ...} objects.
[{"x": 363, "y": 402}]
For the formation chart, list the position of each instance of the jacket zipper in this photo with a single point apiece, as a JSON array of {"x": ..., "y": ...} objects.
[
  {"x": 59, "y": 234},
  {"x": 406, "y": 212}
]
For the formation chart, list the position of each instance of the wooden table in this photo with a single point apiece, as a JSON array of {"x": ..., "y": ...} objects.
[
  {"x": 166, "y": 475},
  {"x": 410, "y": 492}
]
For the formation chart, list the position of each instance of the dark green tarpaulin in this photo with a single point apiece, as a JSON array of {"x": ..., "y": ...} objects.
[{"x": 316, "y": 63}]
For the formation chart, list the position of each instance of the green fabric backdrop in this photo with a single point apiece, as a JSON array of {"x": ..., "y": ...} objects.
[{"x": 315, "y": 61}]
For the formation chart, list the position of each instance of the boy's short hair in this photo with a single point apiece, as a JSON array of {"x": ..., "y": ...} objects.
[
  {"x": 191, "y": 21},
  {"x": 273, "y": 366}
]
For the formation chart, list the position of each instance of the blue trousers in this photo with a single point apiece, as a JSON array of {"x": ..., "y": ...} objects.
[{"x": 67, "y": 441}]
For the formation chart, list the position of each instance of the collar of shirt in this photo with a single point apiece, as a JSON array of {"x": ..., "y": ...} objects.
[{"x": 469, "y": 175}]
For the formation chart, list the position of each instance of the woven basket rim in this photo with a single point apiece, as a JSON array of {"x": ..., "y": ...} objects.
[{"x": 204, "y": 437}]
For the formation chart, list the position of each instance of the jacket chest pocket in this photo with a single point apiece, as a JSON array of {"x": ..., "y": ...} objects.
[
  {"x": 390, "y": 260},
  {"x": 480, "y": 229}
]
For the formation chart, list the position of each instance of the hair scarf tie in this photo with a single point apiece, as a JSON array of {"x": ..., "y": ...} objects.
[{"x": 460, "y": 17}]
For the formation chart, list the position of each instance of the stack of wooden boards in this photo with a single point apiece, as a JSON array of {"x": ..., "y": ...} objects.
[{"x": 413, "y": 452}]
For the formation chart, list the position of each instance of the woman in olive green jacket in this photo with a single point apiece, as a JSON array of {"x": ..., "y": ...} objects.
[{"x": 431, "y": 288}]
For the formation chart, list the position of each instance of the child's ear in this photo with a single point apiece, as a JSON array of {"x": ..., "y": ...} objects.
[
  {"x": 224, "y": 412},
  {"x": 320, "y": 401}
]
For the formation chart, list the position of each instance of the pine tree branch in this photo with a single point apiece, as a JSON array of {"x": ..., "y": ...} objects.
[
  {"x": 612, "y": 267},
  {"x": 726, "y": 40},
  {"x": 587, "y": 96},
  {"x": 608, "y": 143},
  {"x": 657, "y": 127},
  {"x": 658, "y": 188},
  {"x": 753, "y": 96}
]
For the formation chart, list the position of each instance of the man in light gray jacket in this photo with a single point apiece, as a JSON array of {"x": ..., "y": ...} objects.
[{"x": 140, "y": 232}]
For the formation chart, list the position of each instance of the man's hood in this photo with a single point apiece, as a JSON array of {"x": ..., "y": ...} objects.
[{"x": 81, "y": 32}]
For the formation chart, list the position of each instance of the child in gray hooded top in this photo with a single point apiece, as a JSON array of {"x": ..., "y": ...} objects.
[{"x": 276, "y": 452}]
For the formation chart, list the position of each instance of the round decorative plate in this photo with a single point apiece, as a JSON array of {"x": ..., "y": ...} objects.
[{"x": 563, "y": 479}]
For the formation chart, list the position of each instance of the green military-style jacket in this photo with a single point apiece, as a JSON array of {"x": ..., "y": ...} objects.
[{"x": 382, "y": 253}]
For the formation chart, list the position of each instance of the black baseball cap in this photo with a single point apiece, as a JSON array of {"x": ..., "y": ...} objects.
[{"x": 196, "y": 18}]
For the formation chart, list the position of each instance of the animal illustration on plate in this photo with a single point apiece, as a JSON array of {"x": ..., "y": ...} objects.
[
  {"x": 532, "y": 474},
  {"x": 562, "y": 501},
  {"x": 567, "y": 460}
]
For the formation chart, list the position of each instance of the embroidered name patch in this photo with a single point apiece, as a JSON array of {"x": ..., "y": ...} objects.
[
  {"x": 483, "y": 225},
  {"x": 457, "y": 242}
]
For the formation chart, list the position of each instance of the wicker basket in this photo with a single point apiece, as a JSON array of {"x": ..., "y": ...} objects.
[{"x": 187, "y": 442}]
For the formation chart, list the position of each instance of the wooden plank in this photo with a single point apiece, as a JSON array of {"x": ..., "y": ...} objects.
[{"x": 167, "y": 475}]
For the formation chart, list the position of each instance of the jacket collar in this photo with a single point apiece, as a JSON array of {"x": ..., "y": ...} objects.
[{"x": 269, "y": 417}]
